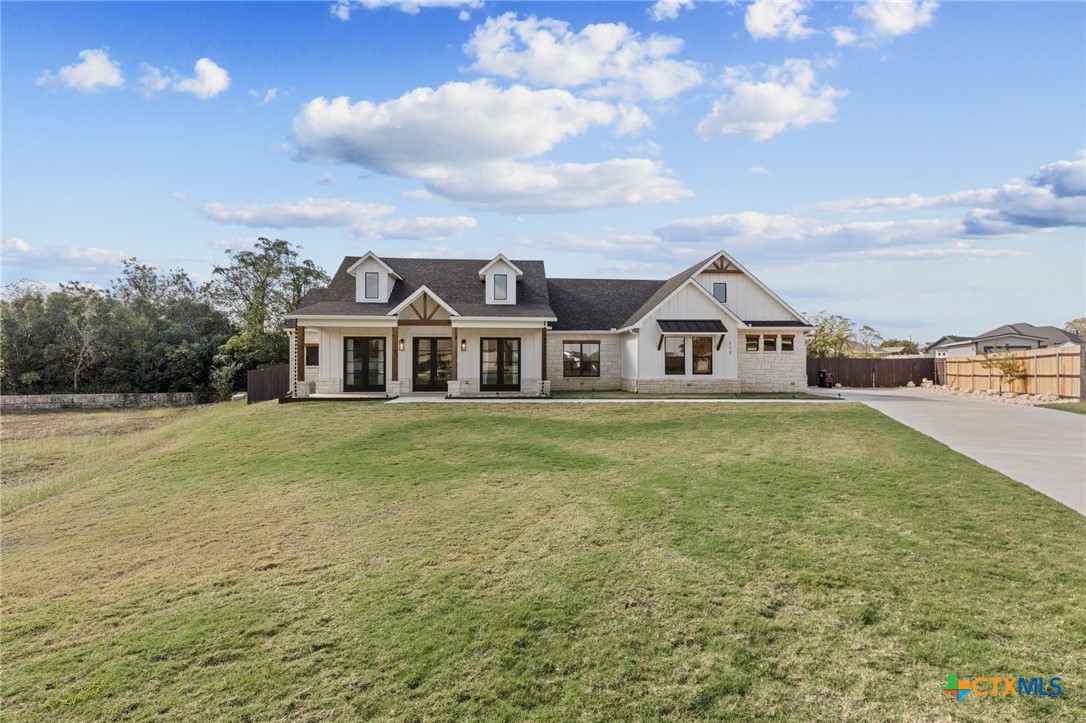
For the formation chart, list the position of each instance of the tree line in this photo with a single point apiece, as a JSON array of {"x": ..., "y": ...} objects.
[{"x": 154, "y": 331}]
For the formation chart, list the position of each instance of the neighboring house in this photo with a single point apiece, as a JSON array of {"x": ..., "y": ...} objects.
[
  {"x": 502, "y": 328},
  {"x": 1012, "y": 337},
  {"x": 938, "y": 347}
]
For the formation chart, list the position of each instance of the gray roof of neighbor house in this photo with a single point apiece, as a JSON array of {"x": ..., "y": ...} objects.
[
  {"x": 597, "y": 304},
  {"x": 946, "y": 339},
  {"x": 1052, "y": 335},
  {"x": 455, "y": 281}
]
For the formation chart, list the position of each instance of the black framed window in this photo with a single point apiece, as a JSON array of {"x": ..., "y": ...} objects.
[
  {"x": 674, "y": 355},
  {"x": 703, "y": 354},
  {"x": 752, "y": 342},
  {"x": 501, "y": 287},
  {"x": 788, "y": 343},
  {"x": 372, "y": 285},
  {"x": 363, "y": 364},
  {"x": 580, "y": 358},
  {"x": 499, "y": 365},
  {"x": 720, "y": 291},
  {"x": 769, "y": 342},
  {"x": 312, "y": 355}
]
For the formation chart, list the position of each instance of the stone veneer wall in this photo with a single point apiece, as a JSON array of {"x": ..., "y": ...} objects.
[
  {"x": 468, "y": 388},
  {"x": 682, "y": 385},
  {"x": 772, "y": 371},
  {"x": 610, "y": 362},
  {"x": 45, "y": 402}
]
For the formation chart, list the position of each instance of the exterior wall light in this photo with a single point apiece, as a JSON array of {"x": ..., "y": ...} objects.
[
  {"x": 463, "y": 345},
  {"x": 401, "y": 344}
]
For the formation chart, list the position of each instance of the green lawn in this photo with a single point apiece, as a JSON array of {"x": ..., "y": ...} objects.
[
  {"x": 1076, "y": 407},
  {"x": 618, "y": 394},
  {"x": 331, "y": 561}
]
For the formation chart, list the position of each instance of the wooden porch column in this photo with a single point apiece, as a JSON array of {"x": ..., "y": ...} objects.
[
  {"x": 396, "y": 353},
  {"x": 455, "y": 352},
  {"x": 299, "y": 353},
  {"x": 544, "y": 352}
]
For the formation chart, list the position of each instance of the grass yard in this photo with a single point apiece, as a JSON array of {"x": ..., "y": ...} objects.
[
  {"x": 329, "y": 561},
  {"x": 1076, "y": 407},
  {"x": 618, "y": 394}
]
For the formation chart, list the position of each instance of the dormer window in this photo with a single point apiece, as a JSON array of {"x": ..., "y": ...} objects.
[
  {"x": 373, "y": 279},
  {"x": 720, "y": 292},
  {"x": 372, "y": 285},
  {"x": 501, "y": 287},
  {"x": 500, "y": 277}
]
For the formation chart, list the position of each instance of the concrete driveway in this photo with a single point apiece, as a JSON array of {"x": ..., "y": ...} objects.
[{"x": 1042, "y": 448}]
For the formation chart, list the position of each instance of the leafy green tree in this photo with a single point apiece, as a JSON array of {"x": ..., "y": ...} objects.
[
  {"x": 911, "y": 346},
  {"x": 832, "y": 336},
  {"x": 869, "y": 338},
  {"x": 1077, "y": 326}
]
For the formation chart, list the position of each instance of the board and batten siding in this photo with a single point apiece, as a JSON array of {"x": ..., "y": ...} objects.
[
  {"x": 688, "y": 303},
  {"x": 531, "y": 356},
  {"x": 745, "y": 298}
]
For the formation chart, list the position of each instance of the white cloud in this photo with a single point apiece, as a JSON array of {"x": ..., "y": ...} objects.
[
  {"x": 467, "y": 142},
  {"x": 608, "y": 59},
  {"x": 843, "y": 36},
  {"x": 1053, "y": 197},
  {"x": 550, "y": 188},
  {"x": 65, "y": 258},
  {"x": 368, "y": 220},
  {"x": 669, "y": 9},
  {"x": 757, "y": 171},
  {"x": 94, "y": 72},
  {"x": 957, "y": 252},
  {"x": 786, "y": 98},
  {"x": 774, "y": 18},
  {"x": 425, "y": 132},
  {"x": 891, "y": 19},
  {"x": 342, "y": 8},
  {"x": 208, "y": 81},
  {"x": 267, "y": 96}
]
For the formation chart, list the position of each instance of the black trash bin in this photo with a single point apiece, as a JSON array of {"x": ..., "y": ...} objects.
[{"x": 823, "y": 374}]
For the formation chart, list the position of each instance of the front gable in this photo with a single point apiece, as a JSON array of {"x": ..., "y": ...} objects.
[
  {"x": 374, "y": 279},
  {"x": 743, "y": 294}
]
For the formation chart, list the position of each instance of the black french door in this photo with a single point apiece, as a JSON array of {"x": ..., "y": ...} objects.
[
  {"x": 363, "y": 364},
  {"x": 432, "y": 366},
  {"x": 500, "y": 362}
]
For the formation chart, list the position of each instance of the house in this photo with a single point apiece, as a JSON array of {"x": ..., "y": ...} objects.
[
  {"x": 938, "y": 347},
  {"x": 500, "y": 327},
  {"x": 1012, "y": 337}
]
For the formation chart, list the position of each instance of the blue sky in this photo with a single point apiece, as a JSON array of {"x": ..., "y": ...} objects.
[{"x": 914, "y": 166}]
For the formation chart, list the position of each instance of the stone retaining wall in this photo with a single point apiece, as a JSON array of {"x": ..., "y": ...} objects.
[{"x": 46, "y": 402}]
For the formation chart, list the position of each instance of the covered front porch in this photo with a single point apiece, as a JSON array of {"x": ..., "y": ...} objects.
[{"x": 423, "y": 350}]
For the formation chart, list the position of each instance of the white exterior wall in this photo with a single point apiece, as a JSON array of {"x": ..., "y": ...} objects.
[
  {"x": 385, "y": 282},
  {"x": 328, "y": 376},
  {"x": 629, "y": 360},
  {"x": 610, "y": 360},
  {"x": 501, "y": 267},
  {"x": 688, "y": 303},
  {"x": 745, "y": 298},
  {"x": 531, "y": 357},
  {"x": 962, "y": 350}
]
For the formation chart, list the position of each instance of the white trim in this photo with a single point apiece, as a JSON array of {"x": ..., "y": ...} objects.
[
  {"x": 370, "y": 255},
  {"x": 498, "y": 322},
  {"x": 496, "y": 259},
  {"x": 739, "y": 323},
  {"x": 352, "y": 320},
  {"x": 755, "y": 279},
  {"x": 419, "y": 292},
  {"x": 551, "y": 332}
]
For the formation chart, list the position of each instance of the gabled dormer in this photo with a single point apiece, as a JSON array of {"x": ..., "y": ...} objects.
[
  {"x": 374, "y": 279},
  {"x": 501, "y": 276}
]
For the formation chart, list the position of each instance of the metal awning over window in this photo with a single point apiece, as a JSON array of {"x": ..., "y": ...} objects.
[{"x": 691, "y": 326}]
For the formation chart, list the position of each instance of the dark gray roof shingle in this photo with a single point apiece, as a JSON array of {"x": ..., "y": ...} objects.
[
  {"x": 456, "y": 281},
  {"x": 597, "y": 304}
]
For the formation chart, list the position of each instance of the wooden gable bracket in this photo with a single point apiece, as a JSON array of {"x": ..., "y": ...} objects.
[
  {"x": 724, "y": 266},
  {"x": 720, "y": 343}
]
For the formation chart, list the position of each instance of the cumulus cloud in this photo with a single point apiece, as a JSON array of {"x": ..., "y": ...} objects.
[
  {"x": 844, "y": 36},
  {"x": 468, "y": 142},
  {"x": 1055, "y": 196},
  {"x": 776, "y": 18},
  {"x": 669, "y": 9},
  {"x": 786, "y": 98},
  {"x": 94, "y": 72},
  {"x": 342, "y": 8},
  {"x": 209, "y": 80},
  {"x": 608, "y": 59},
  {"x": 884, "y": 19},
  {"x": 66, "y": 258},
  {"x": 554, "y": 187},
  {"x": 367, "y": 220}
]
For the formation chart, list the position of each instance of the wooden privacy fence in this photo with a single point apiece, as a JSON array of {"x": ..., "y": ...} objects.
[
  {"x": 882, "y": 372},
  {"x": 265, "y": 384},
  {"x": 1045, "y": 371}
]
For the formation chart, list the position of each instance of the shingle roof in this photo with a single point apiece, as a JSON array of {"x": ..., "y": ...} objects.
[
  {"x": 597, "y": 304},
  {"x": 662, "y": 293},
  {"x": 1051, "y": 334},
  {"x": 456, "y": 281}
]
